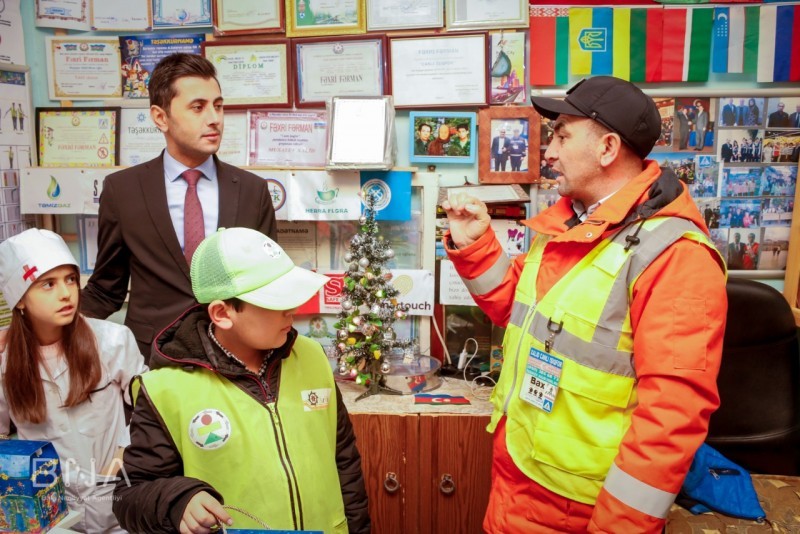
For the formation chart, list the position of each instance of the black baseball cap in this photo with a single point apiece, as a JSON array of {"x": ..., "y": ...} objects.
[{"x": 617, "y": 104}]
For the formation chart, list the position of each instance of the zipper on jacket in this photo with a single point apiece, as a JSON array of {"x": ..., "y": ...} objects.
[
  {"x": 286, "y": 463},
  {"x": 524, "y": 328}
]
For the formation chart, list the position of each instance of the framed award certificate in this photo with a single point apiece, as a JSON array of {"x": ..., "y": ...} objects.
[
  {"x": 402, "y": 14},
  {"x": 288, "y": 138},
  {"x": 239, "y": 17},
  {"x": 439, "y": 71},
  {"x": 83, "y": 68},
  {"x": 252, "y": 73},
  {"x": 486, "y": 14},
  {"x": 78, "y": 137},
  {"x": 324, "y": 17},
  {"x": 352, "y": 66}
]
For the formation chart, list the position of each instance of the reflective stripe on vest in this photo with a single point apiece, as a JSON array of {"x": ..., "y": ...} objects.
[
  {"x": 278, "y": 460},
  {"x": 571, "y": 449}
]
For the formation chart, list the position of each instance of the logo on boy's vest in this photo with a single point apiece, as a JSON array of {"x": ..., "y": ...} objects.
[{"x": 210, "y": 429}]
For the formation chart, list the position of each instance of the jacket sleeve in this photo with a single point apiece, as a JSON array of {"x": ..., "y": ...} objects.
[
  {"x": 107, "y": 288},
  {"x": 153, "y": 493},
  {"x": 678, "y": 313},
  {"x": 266, "y": 222},
  {"x": 488, "y": 274},
  {"x": 351, "y": 478}
]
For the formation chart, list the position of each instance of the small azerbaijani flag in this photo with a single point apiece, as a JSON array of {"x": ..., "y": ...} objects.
[
  {"x": 779, "y": 44},
  {"x": 591, "y": 34},
  {"x": 687, "y": 44},
  {"x": 637, "y": 43},
  {"x": 549, "y": 42},
  {"x": 735, "y": 39}
]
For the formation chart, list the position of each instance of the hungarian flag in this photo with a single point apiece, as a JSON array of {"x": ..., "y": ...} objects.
[
  {"x": 549, "y": 38},
  {"x": 591, "y": 34},
  {"x": 687, "y": 44},
  {"x": 779, "y": 44},
  {"x": 637, "y": 44},
  {"x": 735, "y": 39}
]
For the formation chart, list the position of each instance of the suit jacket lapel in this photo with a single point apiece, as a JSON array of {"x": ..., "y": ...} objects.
[
  {"x": 228, "y": 195},
  {"x": 155, "y": 195}
]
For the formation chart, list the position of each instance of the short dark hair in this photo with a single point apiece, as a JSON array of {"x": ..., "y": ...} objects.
[
  {"x": 235, "y": 302},
  {"x": 464, "y": 125},
  {"x": 419, "y": 128},
  {"x": 170, "y": 69}
]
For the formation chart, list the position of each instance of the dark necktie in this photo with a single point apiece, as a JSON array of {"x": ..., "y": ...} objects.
[{"x": 193, "y": 227}]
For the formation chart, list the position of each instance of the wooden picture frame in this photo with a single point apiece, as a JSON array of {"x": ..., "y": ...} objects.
[
  {"x": 496, "y": 155},
  {"x": 346, "y": 17},
  {"x": 791, "y": 283},
  {"x": 479, "y": 14},
  {"x": 252, "y": 73},
  {"x": 340, "y": 66},
  {"x": 249, "y": 17}
]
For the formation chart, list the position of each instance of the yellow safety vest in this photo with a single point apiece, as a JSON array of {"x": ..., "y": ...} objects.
[
  {"x": 584, "y": 320},
  {"x": 275, "y": 460}
]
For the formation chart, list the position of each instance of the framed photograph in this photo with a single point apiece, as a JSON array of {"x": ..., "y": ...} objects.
[
  {"x": 78, "y": 137},
  {"x": 83, "y": 68},
  {"x": 181, "y": 13},
  {"x": 694, "y": 125},
  {"x": 401, "y": 14},
  {"x": 504, "y": 153},
  {"x": 288, "y": 138},
  {"x": 783, "y": 112},
  {"x": 507, "y": 68},
  {"x": 439, "y": 71},
  {"x": 306, "y": 18},
  {"x": 360, "y": 134},
  {"x": 791, "y": 283},
  {"x": 252, "y": 73},
  {"x": 348, "y": 66},
  {"x": 441, "y": 137},
  {"x": 242, "y": 17},
  {"x": 485, "y": 14},
  {"x": 741, "y": 112}
]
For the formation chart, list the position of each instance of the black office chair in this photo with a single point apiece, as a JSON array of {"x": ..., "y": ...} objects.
[{"x": 758, "y": 421}]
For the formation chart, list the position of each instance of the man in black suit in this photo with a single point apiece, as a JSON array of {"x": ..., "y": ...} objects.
[
  {"x": 794, "y": 118},
  {"x": 726, "y": 152},
  {"x": 500, "y": 146},
  {"x": 728, "y": 114},
  {"x": 143, "y": 229},
  {"x": 683, "y": 127},
  {"x": 778, "y": 118}
]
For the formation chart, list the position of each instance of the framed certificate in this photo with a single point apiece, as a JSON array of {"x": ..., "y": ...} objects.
[
  {"x": 442, "y": 137},
  {"x": 240, "y": 17},
  {"x": 485, "y": 14},
  {"x": 348, "y": 146},
  {"x": 288, "y": 138},
  {"x": 402, "y": 14},
  {"x": 130, "y": 15},
  {"x": 505, "y": 152},
  {"x": 252, "y": 73},
  {"x": 78, "y": 137},
  {"x": 439, "y": 71},
  {"x": 83, "y": 68},
  {"x": 181, "y": 13},
  {"x": 349, "y": 66},
  {"x": 324, "y": 17}
]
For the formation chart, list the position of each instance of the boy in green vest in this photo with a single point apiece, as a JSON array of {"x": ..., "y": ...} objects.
[{"x": 239, "y": 409}]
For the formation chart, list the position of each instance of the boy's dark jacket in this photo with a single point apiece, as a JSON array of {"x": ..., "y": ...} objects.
[{"x": 158, "y": 492}]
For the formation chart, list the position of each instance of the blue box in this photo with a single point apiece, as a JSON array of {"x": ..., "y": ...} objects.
[{"x": 31, "y": 487}]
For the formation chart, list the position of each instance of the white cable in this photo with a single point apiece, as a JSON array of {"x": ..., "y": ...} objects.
[
  {"x": 479, "y": 391},
  {"x": 441, "y": 338}
]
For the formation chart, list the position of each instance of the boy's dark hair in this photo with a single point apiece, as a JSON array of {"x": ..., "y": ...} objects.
[
  {"x": 170, "y": 69},
  {"x": 235, "y": 302},
  {"x": 464, "y": 125},
  {"x": 419, "y": 128}
]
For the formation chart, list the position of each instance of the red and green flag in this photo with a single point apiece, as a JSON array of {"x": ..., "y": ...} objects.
[
  {"x": 637, "y": 43},
  {"x": 549, "y": 42},
  {"x": 686, "y": 52}
]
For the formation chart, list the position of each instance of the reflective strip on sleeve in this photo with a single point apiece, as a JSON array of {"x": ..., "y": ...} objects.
[
  {"x": 490, "y": 279},
  {"x": 518, "y": 313},
  {"x": 637, "y": 494}
]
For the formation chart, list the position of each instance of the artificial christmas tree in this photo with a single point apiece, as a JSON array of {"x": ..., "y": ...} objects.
[{"x": 364, "y": 332}]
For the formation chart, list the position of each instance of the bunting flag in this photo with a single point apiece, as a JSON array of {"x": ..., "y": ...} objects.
[
  {"x": 590, "y": 40},
  {"x": 637, "y": 43},
  {"x": 735, "y": 39},
  {"x": 549, "y": 44},
  {"x": 687, "y": 44},
  {"x": 779, "y": 44},
  {"x": 752, "y": 22}
]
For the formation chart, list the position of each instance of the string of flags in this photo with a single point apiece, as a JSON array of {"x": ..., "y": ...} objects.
[{"x": 665, "y": 43}]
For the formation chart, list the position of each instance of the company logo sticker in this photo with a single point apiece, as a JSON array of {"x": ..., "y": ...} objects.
[{"x": 210, "y": 429}]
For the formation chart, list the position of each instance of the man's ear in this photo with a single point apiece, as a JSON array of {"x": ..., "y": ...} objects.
[
  {"x": 609, "y": 148},
  {"x": 159, "y": 116},
  {"x": 221, "y": 314}
]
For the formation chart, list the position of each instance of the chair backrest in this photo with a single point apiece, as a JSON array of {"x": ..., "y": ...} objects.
[{"x": 758, "y": 421}]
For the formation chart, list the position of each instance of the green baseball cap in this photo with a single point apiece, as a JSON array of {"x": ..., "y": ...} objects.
[{"x": 246, "y": 264}]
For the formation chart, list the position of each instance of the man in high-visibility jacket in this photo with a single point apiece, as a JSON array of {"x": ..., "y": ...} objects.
[{"x": 614, "y": 325}]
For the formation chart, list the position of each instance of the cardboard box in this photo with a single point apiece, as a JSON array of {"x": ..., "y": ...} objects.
[{"x": 31, "y": 487}]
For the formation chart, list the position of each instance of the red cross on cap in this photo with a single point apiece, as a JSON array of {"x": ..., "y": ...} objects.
[{"x": 30, "y": 272}]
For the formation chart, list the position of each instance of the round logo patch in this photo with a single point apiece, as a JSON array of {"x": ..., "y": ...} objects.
[
  {"x": 210, "y": 429},
  {"x": 381, "y": 191}
]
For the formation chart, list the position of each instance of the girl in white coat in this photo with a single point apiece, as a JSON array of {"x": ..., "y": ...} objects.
[{"x": 65, "y": 377}]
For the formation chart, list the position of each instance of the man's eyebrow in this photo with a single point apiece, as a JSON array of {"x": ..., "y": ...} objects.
[{"x": 559, "y": 125}]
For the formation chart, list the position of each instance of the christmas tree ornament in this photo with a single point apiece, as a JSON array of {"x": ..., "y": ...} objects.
[
  {"x": 362, "y": 220},
  {"x": 341, "y": 346},
  {"x": 380, "y": 293},
  {"x": 388, "y": 276},
  {"x": 343, "y": 369},
  {"x": 341, "y": 334},
  {"x": 389, "y": 253},
  {"x": 386, "y": 367},
  {"x": 357, "y": 320},
  {"x": 347, "y": 304},
  {"x": 348, "y": 257},
  {"x": 376, "y": 309}
]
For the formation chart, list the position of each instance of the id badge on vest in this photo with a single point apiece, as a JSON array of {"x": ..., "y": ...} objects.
[{"x": 540, "y": 385}]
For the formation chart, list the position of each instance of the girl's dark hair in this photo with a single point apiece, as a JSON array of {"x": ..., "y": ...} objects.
[
  {"x": 21, "y": 380},
  {"x": 172, "y": 67}
]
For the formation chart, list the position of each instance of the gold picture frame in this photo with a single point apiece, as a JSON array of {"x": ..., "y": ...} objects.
[{"x": 345, "y": 17}]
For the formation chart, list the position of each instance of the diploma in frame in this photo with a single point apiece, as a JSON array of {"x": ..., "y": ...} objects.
[
  {"x": 78, "y": 137},
  {"x": 439, "y": 71},
  {"x": 252, "y": 73},
  {"x": 402, "y": 14},
  {"x": 352, "y": 66},
  {"x": 288, "y": 138},
  {"x": 324, "y": 17},
  {"x": 83, "y": 68},
  {"x": 508, "y": 145},
  {"x": 361, "y": 133},
  {"x": 241, "y": 17},
  {"x": 486, "y": 14}
]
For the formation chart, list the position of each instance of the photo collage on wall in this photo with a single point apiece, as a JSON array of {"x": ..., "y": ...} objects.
[{"x": 739, "y": 159}]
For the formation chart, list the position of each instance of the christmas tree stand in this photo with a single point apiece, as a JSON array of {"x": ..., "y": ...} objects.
[{"x": 376, "y": 383}]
